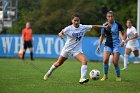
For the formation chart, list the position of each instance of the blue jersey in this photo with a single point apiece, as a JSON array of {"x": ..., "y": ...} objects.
[{"x": 112, "y": 34}]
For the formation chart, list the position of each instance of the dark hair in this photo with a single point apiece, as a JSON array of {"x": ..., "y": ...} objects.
[
  {"x": 110, "y": 12},
  {"x": 74, "y": 15},
  {"x": 129, "y": 20}
]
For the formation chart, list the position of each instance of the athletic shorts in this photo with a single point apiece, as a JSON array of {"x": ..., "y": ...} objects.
[
  {"x": 112, "y": 50},
  {"x": 67, "y": 54},
  {"x": 133, "y": 48},
  {"x": 28, "y": 44}
]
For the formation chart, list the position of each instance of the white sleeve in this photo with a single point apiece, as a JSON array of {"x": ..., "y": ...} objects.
[
  {"x": 134, "y": 30},
  {"x": 65, "y": 30},
  {"x": 87, "y": 27}
]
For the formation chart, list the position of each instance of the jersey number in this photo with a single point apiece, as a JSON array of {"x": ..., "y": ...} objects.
[{"x": 78, "y": 38}]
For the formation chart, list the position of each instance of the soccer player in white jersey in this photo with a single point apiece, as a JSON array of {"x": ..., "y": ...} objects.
[
  {"x": 132, "y": 44},
  {"x": 73, "y": 46}
]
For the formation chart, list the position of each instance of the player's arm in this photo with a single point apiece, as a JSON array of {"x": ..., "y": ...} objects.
[
  {"x": 100, "y": 42},
  {"x": 134, "y": 37},
  {"x": 123, "y": 36},
  {"x": 61, "y": 34},
  {"x": 99, "y": 26}
]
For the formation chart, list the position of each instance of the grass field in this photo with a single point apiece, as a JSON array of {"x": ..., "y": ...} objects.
[{"x": 17, "y": 76}]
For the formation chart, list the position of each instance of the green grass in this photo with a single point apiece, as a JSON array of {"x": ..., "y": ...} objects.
[{"x": 17, "y": 76}]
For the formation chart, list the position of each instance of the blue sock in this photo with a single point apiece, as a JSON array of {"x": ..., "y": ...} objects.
[
  {"x": 105, "y": 69},
  {"x": 117, "y": 68}
]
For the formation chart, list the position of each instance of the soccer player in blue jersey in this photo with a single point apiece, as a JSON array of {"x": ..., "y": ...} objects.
[{"x": 112, "y": 44}]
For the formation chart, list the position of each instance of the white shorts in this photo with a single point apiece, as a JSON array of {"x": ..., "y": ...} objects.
[
  {"x": 67, "y": 54},
  {"x": 132, "y": 47}
]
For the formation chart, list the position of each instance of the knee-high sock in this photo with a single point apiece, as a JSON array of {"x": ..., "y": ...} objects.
[
  {"x": 51, "y": 69},
  {"x": 105, "y": 66},
  {"x": 117, "y": 68},
  {"x": 125, "y": 60},
  {"x": 110, "y": 60},
  {"x": 23, "y": 55},
  {"x": 31, "y": 55},
  {"x": 83, "y": 71}
]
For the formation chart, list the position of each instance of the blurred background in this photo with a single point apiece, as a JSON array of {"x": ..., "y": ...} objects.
[{"x": 50, "y": 16}]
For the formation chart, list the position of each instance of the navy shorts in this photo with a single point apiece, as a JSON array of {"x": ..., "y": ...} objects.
[{"x": 28, "y": 44}]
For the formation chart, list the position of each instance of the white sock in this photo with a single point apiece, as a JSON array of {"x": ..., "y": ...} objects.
[
  {"x": 121, "y": 58},
  {"x": 110, "y": 60},
  {"x": 125, "y": 60},
  {"x": 51, "y": 69},
  {"x": 83, "y": 71}
]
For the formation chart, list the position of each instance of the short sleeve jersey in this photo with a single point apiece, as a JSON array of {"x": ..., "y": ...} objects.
[
  {"x": 27, "y": 34},
  {"x": 130, "y": 33},
  {"x": 75, "y": 36},
  {"x": 112, "y": 34}
]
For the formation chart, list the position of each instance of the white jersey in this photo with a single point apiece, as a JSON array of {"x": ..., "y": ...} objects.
[
  {"x": 130, "y": 33},
  {"x": 74, "y": 37}
]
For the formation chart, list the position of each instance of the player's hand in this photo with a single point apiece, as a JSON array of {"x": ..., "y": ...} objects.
[
  {"x": 61, "y": 35},
  {"x": 122, "y": 44},
  {"x": 98, "y": 49}
]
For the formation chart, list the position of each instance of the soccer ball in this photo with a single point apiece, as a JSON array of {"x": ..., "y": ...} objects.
[
  {"x": 20, "y": 53},
  {"x": 94, "y": 74}
]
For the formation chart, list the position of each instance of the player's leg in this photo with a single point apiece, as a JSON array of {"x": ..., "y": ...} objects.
[
  {"x": 80, "y": 57},
  {"x": 31, "y": 49},
  {"x": 24, "y": 49},
  {"x": 105, "y": 65},
  {"x": 110, "y": 60},
  {"x": 58, "y": 63},
  {"x": 137, "y": 57},
  {"x": 126, "y": 56},
  {"x": 116, "y": 56}
]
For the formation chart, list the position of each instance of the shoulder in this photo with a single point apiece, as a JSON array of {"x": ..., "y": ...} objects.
[
  {"x": 23, "y": 30},
  {"x": 104, "y": 24},
  {"x": 118, "y": 23},
  {"x": 68, "y": 27},
  {"x": 120, "y": 27},
  {"x": 30, "y": 29},
  {"x": 133, "y": 28}
]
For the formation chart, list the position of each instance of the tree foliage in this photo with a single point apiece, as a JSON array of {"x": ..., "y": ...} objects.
[{"x": 50, "y": 16}]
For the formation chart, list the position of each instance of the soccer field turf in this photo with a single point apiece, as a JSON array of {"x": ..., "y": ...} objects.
[{"x": 17, "y": 76}]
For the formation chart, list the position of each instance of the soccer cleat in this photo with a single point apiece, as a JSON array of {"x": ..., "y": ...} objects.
[
  {"x": 118, "y": 79},
  {"x": 83, "y": 80},
  {"x": 104, "y": 78},
  {"x": 123, "y": 69},
  {"x": 46, "y": 76}
]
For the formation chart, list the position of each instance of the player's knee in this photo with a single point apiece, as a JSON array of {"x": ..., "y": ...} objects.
[
  {"x": 116, "y": 64},
  {"x": 105, "y": 61},
  {"x": 58, "y": 63},
  {"x": 84, "y": 62}
]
